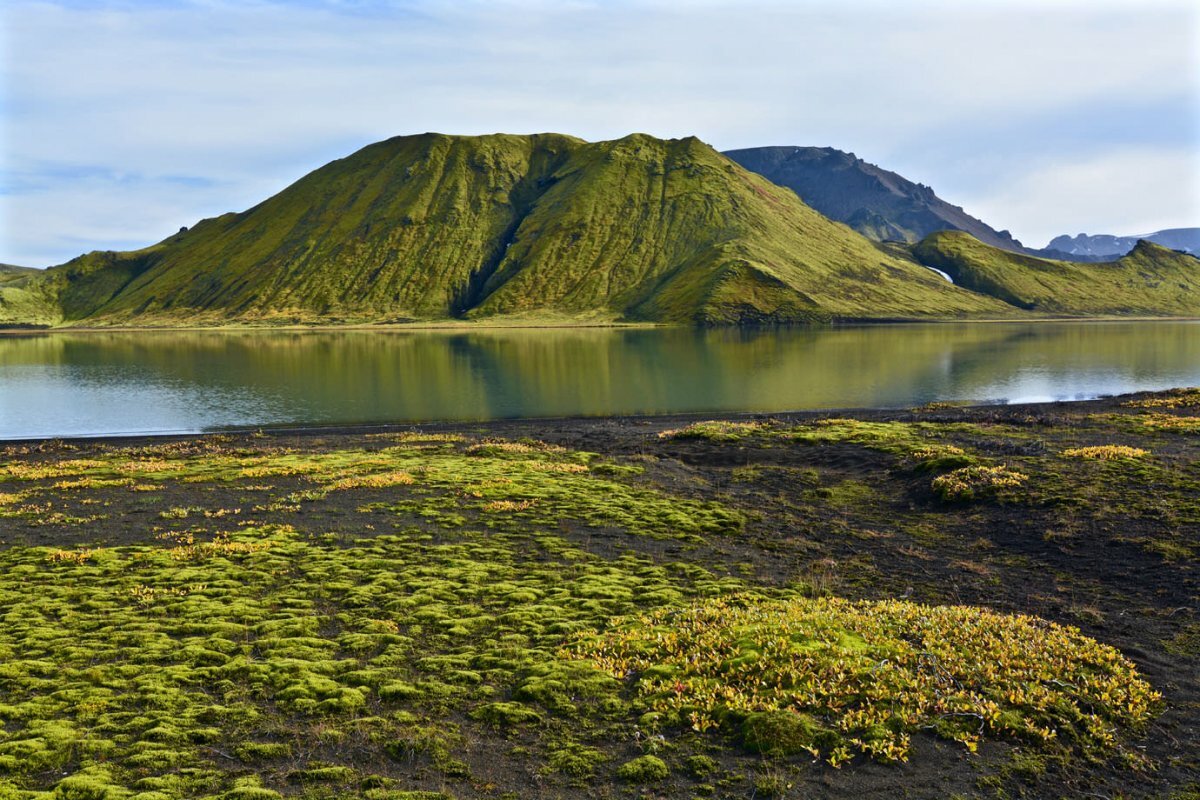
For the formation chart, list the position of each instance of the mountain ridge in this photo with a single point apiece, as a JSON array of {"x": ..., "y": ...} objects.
[
  {"x": 550, "y": 229},
  {"x": 1102, "y": 245},
  {"x": 880, "y": 204},
  {"x": 434, "y": 227}
]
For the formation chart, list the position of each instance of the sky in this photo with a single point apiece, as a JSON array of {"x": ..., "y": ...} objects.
[{"x": 120, "y": 122}]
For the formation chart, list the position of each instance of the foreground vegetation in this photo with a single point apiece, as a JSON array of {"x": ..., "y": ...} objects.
[{"x": 746, "y": 608}]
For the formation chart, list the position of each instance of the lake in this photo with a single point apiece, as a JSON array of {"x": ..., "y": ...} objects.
[{"x": 101, "y": 383}]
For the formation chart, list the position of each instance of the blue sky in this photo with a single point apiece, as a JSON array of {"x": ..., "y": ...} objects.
[{"x": 122, "y": 121}]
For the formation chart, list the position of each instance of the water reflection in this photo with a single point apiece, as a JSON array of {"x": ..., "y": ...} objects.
[{"x": 106, "y": 383}]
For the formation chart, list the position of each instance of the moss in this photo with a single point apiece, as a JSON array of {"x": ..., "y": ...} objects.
[
  {"x": 575, "y": 759},
  {"x": 251, "y": 793},
  {"x": 1186, "y": 642},
  {"x": 322, "y": 775},
  {"x": 506, "y": 715},
  {"x": 700, "y": 766},
  {"x": 252, "y": 752},
  {"x": 643, "y": 769},
  {"x": 779, "y": 733},
  {"x": 567, "y": 688},
  {"x": 398, "y": 691},
  {"x": 90, "y": 784}
]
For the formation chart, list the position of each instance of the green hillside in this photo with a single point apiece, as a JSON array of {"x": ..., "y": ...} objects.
[
  {"x": 542, "y": 227},
  {"x": 1150, "y": 280},
  {"x": 25, "y": 299},
  {"x": 10, "y": 273}
]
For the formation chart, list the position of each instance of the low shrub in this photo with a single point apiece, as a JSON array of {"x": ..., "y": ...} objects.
[
  {"x": 1106, "y": 452},
  {"x": 873, "y": 672},
  {"x": 973, "y": 483}
]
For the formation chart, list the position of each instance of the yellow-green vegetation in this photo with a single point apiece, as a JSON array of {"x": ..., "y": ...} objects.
[
  {"x": 1170, "y": 422},
  {"x": 716, "y": 430},
  {"x": 1150, "y": 279},
  {"x": 643, "y": 769},
  {"x": 834, "y": 677},
  {"x": 437, "y": 615},
  {"x": 20, "y": 304},
  {"x": 918, "y": 443},
  {"x": 155, "y": 662},
  {"x": 1175, "y": 398},
  {"x": 915, "y": 439},
  {"x": 542, "y": 228},
  {"x": 969, "y": 483},
  {"x": 10, "y": 273},
  {"x": 1106, "y": 452},
  {"x": 509, "y": 483}
]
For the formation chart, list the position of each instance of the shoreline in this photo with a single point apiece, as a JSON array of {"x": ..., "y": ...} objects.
[
  {"x": 505, "y": 426},
  {"x": 460, "y": 327}
]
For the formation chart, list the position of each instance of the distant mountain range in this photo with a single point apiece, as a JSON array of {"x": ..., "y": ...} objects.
[
  {"x": 552, "y": 229},
  {"x": 1106, "y": 246},
  {"x": 879, "y": 204},
  {"x": 885, "y": 206}
]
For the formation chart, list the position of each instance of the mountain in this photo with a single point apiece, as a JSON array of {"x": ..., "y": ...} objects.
[
  {"x": 879, "y": 204},
  {"x": 1151, "y": 279},
  {"x": 1104, "y": 245},
  {"x": 541, "y": 227},
  {"x": 12, "y": 274}
]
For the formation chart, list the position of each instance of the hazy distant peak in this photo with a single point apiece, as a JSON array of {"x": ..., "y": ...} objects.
[{"x": 1104, "y": 245}]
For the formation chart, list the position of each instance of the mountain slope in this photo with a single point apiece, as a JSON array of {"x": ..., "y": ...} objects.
[
  {"x": 877, "y": 203},
  {"x": 1151, "y": 279},
  {"x": 23, "y": 304},
  {"x": 1101, "y": 245},
  {"x": 435, "y": 227},
  {"x": 10, "y": 270}
]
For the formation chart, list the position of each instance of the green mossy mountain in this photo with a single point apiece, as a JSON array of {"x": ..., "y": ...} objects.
[
  {"x": 543, "y": 227},
  {"x": 1149, "y": 280}
]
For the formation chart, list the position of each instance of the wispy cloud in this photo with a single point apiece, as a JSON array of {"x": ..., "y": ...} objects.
[{"x": 125, "y": 120}]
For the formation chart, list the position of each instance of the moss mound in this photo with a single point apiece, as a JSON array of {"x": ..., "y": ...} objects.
[{"x": 643, "y": 769}]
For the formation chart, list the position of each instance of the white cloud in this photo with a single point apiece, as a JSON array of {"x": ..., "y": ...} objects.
[{"x": 252, "y": 95}]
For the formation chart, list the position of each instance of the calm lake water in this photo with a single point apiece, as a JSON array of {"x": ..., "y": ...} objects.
[{"x": 70, "y": 384}]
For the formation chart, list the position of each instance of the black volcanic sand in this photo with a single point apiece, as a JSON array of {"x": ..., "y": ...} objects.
[{"x": 1109, "y": 546}]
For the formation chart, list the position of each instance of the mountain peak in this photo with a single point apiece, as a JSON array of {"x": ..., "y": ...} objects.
[
  {"x": 1101, "y": 245},
  {"x": 879, "y": 204},
  {"x": 435, "y": 226}
]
